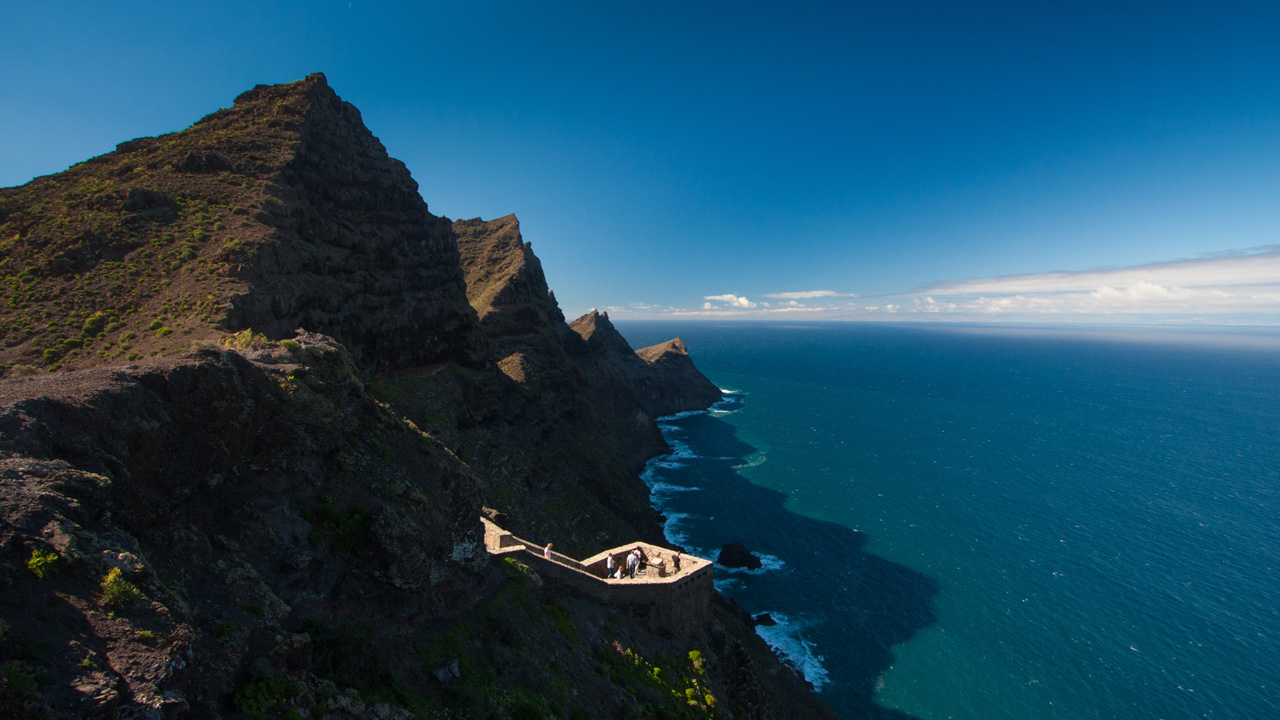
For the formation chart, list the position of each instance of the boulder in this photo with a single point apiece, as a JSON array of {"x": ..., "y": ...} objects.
[{"x": 736, "y": 555}]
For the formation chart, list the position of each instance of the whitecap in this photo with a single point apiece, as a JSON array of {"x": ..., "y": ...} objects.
[
  {"x": 672, "y": 530},
  {"x": 658, "y": 487},
  {"x": 785, "y": 638},
  {"x": 726, "y": 584},
  {"x": 685, "y": 414}
]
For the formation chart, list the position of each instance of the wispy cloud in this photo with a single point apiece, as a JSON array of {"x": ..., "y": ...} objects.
[
  {"x": 1260, "y": 266},
  {"x": 1241, "y": 283},
  {"x": 1232, "y": 287},
  {"x": 807, "y": 295}
]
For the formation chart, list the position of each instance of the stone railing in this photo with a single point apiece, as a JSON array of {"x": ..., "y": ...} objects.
[{"x": 673, "y": 601}]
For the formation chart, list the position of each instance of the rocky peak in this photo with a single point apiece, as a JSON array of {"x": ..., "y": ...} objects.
[
  {"x": 501, "y": 270},
  {"x": 282, "y": 211},
  {"x": 661, "y": 351},
  {"x": 601, "y": 336},
  {"x": 354, "y": 252}
]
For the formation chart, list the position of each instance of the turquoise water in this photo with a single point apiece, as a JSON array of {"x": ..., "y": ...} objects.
[{"x": 983, "y": 522}]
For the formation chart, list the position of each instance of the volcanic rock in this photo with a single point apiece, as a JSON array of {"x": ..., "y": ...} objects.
[{"x": 736, "y": 555}]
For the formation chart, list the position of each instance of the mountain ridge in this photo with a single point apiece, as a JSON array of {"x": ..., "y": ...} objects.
[{"x": 258, "y": 397}]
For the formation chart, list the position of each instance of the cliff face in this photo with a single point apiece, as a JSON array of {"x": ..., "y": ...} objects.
[
  {"x": 257, "y": 398},
  {"x": 352, "y": 250},
  {"x": 278, "y": 213},
  {"x": 240, "y": 497},
  {"x": 672, "y": 383},
  {"x": 662, "y": 377}
]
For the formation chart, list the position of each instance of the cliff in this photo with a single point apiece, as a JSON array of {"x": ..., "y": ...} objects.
[
  {"x": 257, "y": 399},
  {"x": 280, "y": 212},
  {"x": 662, "y": 376}
]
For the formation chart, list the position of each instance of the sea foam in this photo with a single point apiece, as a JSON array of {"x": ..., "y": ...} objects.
[{"x": 786, "y": 640}]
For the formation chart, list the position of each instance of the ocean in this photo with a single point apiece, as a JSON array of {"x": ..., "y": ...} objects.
[{"x": 986, "y": 522}]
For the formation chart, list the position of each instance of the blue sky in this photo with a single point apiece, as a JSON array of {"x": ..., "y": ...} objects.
[{"x": 1089, "y": 162}]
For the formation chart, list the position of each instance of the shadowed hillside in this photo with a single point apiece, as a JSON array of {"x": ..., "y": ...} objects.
[{"x": 257, "y": 398}]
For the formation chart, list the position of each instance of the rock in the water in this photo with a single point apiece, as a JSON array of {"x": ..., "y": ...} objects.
[{"x": 736, "y": 555}]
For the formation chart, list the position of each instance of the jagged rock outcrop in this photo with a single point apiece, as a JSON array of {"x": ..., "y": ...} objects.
[
  {"x": 237, "y": 495},
  {"x": 353, "y": 251},
  {"x": 516, "y": 309},
  {"x": 280, "y": 212},
  {"x": 736, "y": 555},
  {"x": 672, "y": 383},
  {"x": 663, "y": 376}
]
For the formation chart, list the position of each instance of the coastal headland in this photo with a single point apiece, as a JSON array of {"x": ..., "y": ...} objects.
[{"x": 256, "y": 400}]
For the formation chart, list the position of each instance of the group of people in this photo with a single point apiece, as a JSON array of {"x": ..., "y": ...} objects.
[{"x": 633, "y": 561}]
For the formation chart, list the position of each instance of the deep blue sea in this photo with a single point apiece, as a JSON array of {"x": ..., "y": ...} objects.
[{"x": 985, "y": 522}]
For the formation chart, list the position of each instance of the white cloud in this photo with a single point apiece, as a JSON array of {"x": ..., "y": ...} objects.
[
  {"x": 736, "y": 301},
  {"x": 1258, "y": 266},
  {"x": 1235, "y": 287},
  {"x": 1243, "y": 284}
]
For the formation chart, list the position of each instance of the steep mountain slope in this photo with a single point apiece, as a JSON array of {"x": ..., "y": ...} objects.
[
  {"x": 280, "y": 212},
  {"x": 257, "y": 399}
]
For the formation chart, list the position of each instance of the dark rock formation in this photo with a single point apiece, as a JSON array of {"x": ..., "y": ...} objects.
[
  {"x": 353, "y": 251},
  {"x": 662, "y": 377},
  {"x": 736, "y": 555},
  {"x": 225, "y": 488},
  {"x": 672, "y": 384}
]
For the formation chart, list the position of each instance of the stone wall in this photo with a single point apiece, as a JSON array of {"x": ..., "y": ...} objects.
[{"x": 673, "y": 602}]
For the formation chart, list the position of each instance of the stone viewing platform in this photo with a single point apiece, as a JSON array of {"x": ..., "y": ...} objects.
[{"x": 674, "y": 602}]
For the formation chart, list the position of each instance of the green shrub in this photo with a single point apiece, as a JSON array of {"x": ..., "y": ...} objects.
[
  {"x": 243, "y": 339},
  {"x": 42, "y": 563},
  {"x": 96, "y": 324},
  {"x": 292, "y": 346},
  {"x": 560, "y": 618},
  {"x": 21, "y": 678},
  {"x": 347, "y": 530},
  {"x": 258, "y": 698},
  {"x": 116, "y": 591},
  {"x": 224, "y": 630}
]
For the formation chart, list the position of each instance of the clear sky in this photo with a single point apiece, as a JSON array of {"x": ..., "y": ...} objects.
[{"x": 1027, "y": 161}]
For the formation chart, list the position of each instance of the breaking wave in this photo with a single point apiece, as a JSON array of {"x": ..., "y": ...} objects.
[{"x": 786, "y": 639}]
